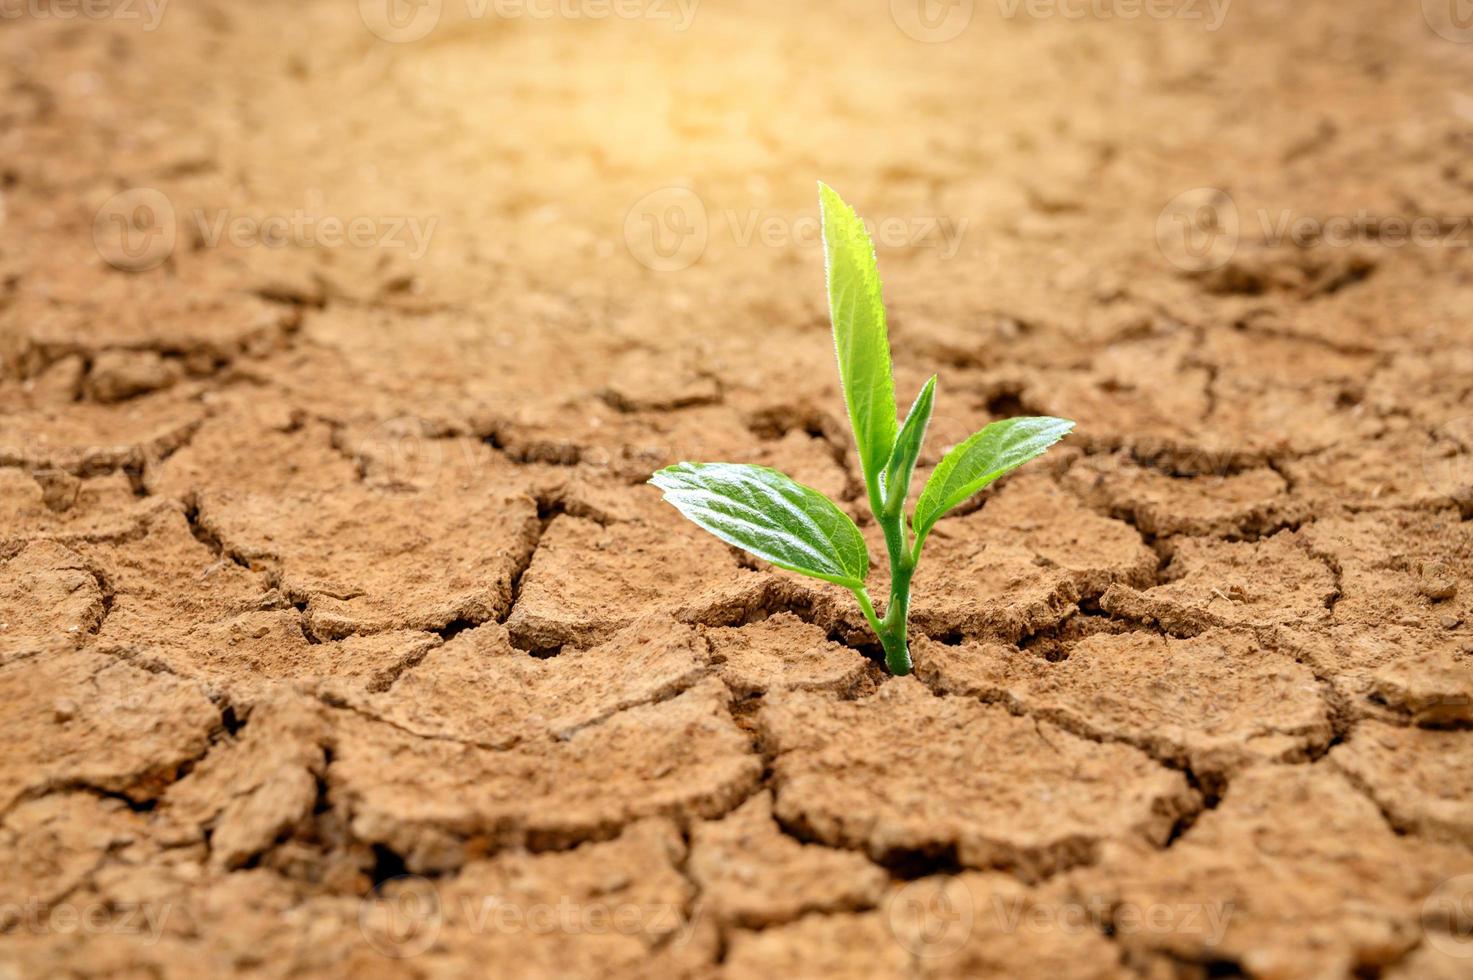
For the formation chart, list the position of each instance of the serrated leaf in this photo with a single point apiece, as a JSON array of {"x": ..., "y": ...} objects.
[
  {"x": 995, "y": 451},
  {"x": 857, "y": 310},
  {"x": 908, "y": 448},
  {"x": 770, "y": 515}
]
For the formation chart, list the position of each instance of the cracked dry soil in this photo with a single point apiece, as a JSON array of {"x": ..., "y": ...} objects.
[{"x": 339, "y": 634}]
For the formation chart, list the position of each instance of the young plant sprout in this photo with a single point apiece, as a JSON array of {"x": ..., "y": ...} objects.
[{"x": 797, "y": 528}]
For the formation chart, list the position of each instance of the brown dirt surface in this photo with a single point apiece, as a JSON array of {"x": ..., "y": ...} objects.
[
  {"x": 340, "y": 634},
  {"x": 991, "y": 793}
]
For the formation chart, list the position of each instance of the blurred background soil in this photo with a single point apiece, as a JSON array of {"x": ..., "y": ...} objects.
[{"x": 340, "y": 634}]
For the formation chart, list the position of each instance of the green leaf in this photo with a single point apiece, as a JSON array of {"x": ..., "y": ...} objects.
[
  {"x": 902, "y": 463},
  {"x": 858, "y": 314},
  {"x": 762, "y": 511},
  {"x": 998, "y": 449}
]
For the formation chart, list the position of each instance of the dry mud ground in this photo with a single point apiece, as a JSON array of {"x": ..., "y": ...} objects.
[{"x": 339, "y": 634}]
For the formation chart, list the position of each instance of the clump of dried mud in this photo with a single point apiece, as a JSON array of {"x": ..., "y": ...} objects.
[{"x": 340, "y": 636}]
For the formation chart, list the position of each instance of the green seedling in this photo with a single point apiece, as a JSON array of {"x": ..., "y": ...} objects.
[{"x": 797, "y": 528}]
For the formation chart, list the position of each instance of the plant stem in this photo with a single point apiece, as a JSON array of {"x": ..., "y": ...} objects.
[
  {"x": 893, "y": 629},
  {"x": 868, "y": 607}
]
